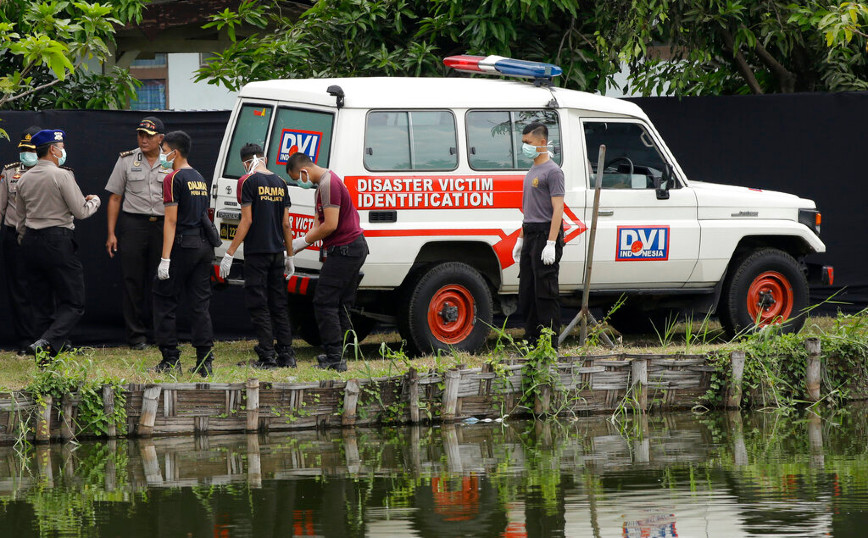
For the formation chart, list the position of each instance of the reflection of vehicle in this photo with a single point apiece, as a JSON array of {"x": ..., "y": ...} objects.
[{"x": 434, "y": 172}]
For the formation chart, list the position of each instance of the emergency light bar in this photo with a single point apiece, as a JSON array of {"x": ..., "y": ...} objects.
[{"x": 498, "y": 65}]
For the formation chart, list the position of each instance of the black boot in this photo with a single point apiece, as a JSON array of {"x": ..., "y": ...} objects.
[
  {"x": 285, "y": 357},
  {"x": 332, "y": 359},
  {"x": 171, "y": 362},
  {"x": 204, "y": 355},
  {"x": 267, "y": 359}
]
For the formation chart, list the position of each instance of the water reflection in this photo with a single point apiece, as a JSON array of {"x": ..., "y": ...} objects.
[{"x": 724, "y": 474}]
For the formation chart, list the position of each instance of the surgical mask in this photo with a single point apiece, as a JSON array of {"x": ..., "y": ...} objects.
[
  {"x": 164, "y": 162},
  {"x": 27, "y": 158},
  {"x": 62, "y": 158},
  {"x": 530, "y": 151},
  {"x": 254, "y": 162},
  {"x": 304, "y": 183}
]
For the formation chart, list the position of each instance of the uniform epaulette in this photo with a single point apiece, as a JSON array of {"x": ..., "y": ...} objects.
[
  {"x": 12, "y": 165},
  {"x": 66, "y": 168},
  {"x": 127, "y": 153}
]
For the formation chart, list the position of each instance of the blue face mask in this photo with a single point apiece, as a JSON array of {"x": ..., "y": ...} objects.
[
  {"x": 304, "y": 184},
  {"x": 27, "y": 158},
  {"x": 164, "y": 162},
  {"x": 62, "y": 158},
  {"x": 530, "y": 151}
]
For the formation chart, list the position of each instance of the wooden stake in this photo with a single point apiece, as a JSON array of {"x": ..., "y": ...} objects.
[
  {"x": 450, "y": 395},
  {"x": 639, "y": 377},
  {"x": 413, "y": 395},
  {"x": 734, "y": 391},
  {"x": 43, "y": 420},
  {"x": 351, "y": 400},
  {"x": 150, "y": 400},
  {"x": 108, "y": 405},
  {"x": 67, "y": 431},
  {"x": 252, "y": 405},
  {"x": 812, "y": 373}
]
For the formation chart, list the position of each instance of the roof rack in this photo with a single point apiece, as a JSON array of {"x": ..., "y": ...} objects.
[{"x": 541, "y": 73}]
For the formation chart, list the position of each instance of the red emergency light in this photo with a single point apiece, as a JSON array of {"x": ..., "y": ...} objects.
[{"x": 498, "y": 65}]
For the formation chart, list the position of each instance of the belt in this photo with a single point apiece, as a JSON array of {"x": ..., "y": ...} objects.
[
  {"x": 51, "y": 230},
  {"x": 191, "y": 231},
  {"x": 140, "y": 216}
]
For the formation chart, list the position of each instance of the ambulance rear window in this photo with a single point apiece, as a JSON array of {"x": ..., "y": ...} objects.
[
  {"x": 251, "y": 127},
  {"x": 494, "y": 137},
  {"x": 410, "y": 140}
]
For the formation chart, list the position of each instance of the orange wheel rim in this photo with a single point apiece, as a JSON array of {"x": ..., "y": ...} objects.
[
  {"x": 770, "y": 298},
  {"x": 451, "y": 314}
]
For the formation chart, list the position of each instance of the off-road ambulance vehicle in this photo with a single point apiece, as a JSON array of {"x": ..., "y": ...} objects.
[{"x": 435, "y": 168}]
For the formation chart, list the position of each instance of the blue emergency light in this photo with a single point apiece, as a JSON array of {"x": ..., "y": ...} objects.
[{"x": 498, "y": 65}]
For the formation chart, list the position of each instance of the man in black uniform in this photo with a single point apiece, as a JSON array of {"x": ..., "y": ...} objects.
[
  {"x": 185, "y": 265},
  {"x": 13, "y": 258},
  {"x": 48, "y": 201},
  {"x": 267, "y": 237},
  {"x": 137, "y": 180}
]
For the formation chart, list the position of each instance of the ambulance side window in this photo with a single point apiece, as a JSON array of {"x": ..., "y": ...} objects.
[
  {"x": 633, "y": 160},
  {"x": 494, "y": 137},
  {"x": 307, "y": 131},
  {"x": 410, "y": 140},
  {"x": 251, "y": 127}
]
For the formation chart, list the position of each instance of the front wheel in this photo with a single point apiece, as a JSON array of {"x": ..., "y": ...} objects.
[
  {"x": 767, "y": 287},
  {"x": 447, "y": 307}
]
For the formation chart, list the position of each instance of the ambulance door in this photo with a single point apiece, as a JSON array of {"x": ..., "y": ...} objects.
[{"x": 645, "y": 238}]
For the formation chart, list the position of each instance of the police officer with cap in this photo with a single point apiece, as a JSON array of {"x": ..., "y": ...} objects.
[
  {"x": 49, "y": 200},
  {"x": 13, "y": 259},
  {"x": 135, "y": 225}
]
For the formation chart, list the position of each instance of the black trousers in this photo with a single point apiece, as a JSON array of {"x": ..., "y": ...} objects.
[
  {"x": 17, "y": 288},
  {"x": 140, "y": 241},
  {"x": 189, "y": 276},
  {"x": 336, "y": 291},
  {"x": 538, "y": 289},
  {"x": 56, "y": 279},
  {"x": 266, "y": 300}
]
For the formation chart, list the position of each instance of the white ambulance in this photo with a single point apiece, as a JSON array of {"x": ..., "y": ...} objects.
[{"x": 435, "y": 168}]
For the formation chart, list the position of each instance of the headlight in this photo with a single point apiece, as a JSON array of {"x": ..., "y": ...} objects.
[{"x": 811, "y": 218}]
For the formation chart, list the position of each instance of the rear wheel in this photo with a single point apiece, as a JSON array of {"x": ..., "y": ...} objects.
[
  {"x": 767, "y": 287},
  {"x": 448, "y": 306}
]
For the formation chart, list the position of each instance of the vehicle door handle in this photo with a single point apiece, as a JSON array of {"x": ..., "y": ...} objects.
[{"x": 606, "y": 212}]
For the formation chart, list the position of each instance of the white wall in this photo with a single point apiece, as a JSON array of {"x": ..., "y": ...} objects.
[{"x": 184, "y": 94}]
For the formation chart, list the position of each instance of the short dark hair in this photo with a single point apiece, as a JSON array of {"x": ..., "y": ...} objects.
[
  {"x": 297, "y": 160},
  {"x": 537, "y": 129},
  {"x": 249, "y": 150},
  {"x": 42, "y": 151},
  {"x": 180, "y": 141}
]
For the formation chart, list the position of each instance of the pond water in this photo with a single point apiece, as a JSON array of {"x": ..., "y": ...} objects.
[{"x": 664, "y": 475}]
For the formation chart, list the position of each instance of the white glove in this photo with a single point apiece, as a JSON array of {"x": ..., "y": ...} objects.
[
  {"x": 516, "y": 250},
  {"x": 288, "y": 266},
  {"x": 299, "y": 244},
  {"x": 163, "y": 269},
  {"x": 93, "y": 200},
  {"x": 548, "y": 253},
  {"x": 225, "y": 265}
]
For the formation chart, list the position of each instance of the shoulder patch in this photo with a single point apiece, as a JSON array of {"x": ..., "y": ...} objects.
[
  {"x": 11, "y": 165},
  {"x": 127, "y": 153}
]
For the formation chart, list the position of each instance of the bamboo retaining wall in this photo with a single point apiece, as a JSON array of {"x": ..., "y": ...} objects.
[{"x": 636, "y": 383}]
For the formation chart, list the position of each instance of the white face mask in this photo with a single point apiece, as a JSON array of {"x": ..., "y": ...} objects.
[{"x": 254, "y": 162}]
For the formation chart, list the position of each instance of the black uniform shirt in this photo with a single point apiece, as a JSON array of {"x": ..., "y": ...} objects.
[
  {"x": 268, "y": 197},
  {"x": 187, "y": 189}
]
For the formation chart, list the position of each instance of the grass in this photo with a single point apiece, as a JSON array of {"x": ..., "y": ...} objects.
[{"x": 126, "y": 366}]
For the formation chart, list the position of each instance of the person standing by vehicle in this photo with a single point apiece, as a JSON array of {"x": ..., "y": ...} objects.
[
  {"x": 13, "y": 258},
  {"x": 344, "y": 248},
  {"x": 541, "y": 240},
  {"x": 185, "y": 265},
  {"x": 267, "y": 237},
  {"x": 137, "y": 181},
  {"x": 48, "y": 201}
]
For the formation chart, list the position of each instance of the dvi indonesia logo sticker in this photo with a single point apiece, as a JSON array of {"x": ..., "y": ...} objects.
[{"x": 642, "y": 243}]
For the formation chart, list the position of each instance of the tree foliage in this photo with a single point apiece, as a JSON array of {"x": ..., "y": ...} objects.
[
  {"x": 678, "y": 47},
  {"x": 44, "y": 49}
]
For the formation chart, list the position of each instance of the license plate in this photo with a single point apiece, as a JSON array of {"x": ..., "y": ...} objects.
[{"x": 227, "y": 231}]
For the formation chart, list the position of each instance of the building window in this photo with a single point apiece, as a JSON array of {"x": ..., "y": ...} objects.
[
  {"x": 151, "y": 95},
  {"x": 205, "y": 58}
]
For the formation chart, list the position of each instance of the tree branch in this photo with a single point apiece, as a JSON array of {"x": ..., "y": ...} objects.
[
  {"x": 740, "y": 63},
  {"x": 5, "y": 100},
  {"x": 787, "y": 78}
]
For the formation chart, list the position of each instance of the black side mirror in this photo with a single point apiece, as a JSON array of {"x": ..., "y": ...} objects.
[{"x": 662, "y": 183}]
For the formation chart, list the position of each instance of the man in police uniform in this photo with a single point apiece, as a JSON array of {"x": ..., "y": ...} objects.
[
  {"x": 186, "y": 257},
  {"x": 13, "y": 259},
  {"x": 137, "y": 179},
  {"x": 345, "y": 251},
  {"x": 267, "y": 237},
  {"x": 48, "y": 201}
]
